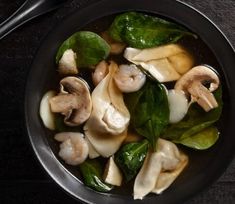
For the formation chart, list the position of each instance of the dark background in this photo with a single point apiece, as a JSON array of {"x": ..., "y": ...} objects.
[{"x": 22, "y": 179}]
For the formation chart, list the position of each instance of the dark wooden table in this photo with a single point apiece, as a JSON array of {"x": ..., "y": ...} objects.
[{"x": 22, "y": 179}]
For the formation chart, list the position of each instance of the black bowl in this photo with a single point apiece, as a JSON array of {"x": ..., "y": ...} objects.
[{"x": 205, "y": 166}]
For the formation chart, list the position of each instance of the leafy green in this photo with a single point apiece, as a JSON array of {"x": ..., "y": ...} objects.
[
  {"x": 89, "y": 47},
  {"x": 91, "y": 171},
  {"x": 149, "y": 110},
  {"x": 131, "y": 157},
  {"x": 195, "y": 121},
  {"x": 143, "y": 31},
  {"x": 201, "y": 140}
]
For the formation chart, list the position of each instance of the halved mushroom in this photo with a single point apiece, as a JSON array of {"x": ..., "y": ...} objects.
[
  {"x": 165, "y": 63},
  {"x": 74, "y": 148},
  {"x": 193, "y": 83},
  {"x": 67, "y": 63},
  {"x": 74, "y": 101}
]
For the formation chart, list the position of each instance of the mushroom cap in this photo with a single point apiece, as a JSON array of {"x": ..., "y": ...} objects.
[
  {"x": 199, "y": 74},
  {"x": 74, "y": 101}
]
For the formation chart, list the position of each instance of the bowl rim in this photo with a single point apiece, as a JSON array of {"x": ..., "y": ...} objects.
[{"x": 44, "y": 153}]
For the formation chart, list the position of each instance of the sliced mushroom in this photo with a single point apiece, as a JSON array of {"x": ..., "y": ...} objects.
[
  {"x": 67, "y": 63},
  {"x": 167, "y": 159},
  {"x": 193, "y": 83},
  {"x": 74, "y": 101},
  {"x": 73, "y": 149},
  {"x": 165, "y": 63},
  {"x": 45, "y": 112},
  {"x": 112, "y": 174}
]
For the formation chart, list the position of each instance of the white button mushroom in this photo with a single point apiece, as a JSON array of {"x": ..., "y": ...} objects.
[
  {"x": 45, "y": 112},
  {"x": 74, "y": 101},
  {"x": 67, "y": 63},
  {"x": 192, "y": 83},
  {"x": 73, "y": 149}
]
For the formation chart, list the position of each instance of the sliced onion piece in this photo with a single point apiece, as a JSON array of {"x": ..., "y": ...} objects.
[
  {"x": 46, "y": 115},
  {"x": 178, "y": 105}
]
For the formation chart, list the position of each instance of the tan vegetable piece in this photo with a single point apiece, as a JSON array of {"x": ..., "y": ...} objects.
[
  {"x": 67, "y": 63},
  {"x": 112, "y": 174},
  {"x": 74, "y": 101},
  {"x": 193, "y": 83}
]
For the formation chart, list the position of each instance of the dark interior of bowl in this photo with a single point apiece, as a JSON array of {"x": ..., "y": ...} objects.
[{"x": 204, "y": 166}]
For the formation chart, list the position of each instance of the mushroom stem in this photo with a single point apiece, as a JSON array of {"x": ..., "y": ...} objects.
[
  {"x": 203, "y": 97},
  {"x": 193, "y": 83}
]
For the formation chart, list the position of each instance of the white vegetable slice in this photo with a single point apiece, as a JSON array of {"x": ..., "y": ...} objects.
[
  {"x": 178, "y": 105},
  {"x": 46, "y": 115},
  {"x": 112, "y": 174},
  {"x": 67, "y": 63}
]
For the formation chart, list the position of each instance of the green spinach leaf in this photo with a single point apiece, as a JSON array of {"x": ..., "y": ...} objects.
[
  {"x": 91, "y": 171},
  {"x": 149, "y": 110},
  {"x": 201, "y": 140},
  {"x": 144, "y": 31},
  {"x": 195, "y": 121},
  {"x": 89, "y": 47},
  {"x": 130, "y": 158}
]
